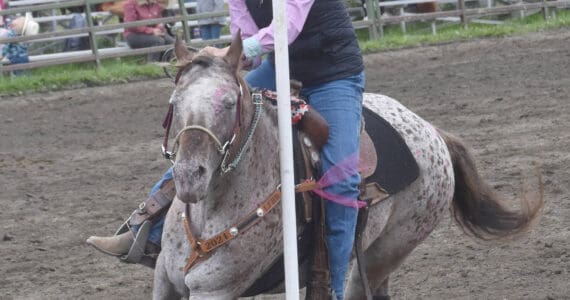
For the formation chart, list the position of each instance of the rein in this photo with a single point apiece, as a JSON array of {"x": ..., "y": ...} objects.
[{"x": 202, "y": 249}]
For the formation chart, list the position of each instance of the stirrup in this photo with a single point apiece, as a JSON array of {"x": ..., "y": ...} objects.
[{"x": 137, "y": 253}]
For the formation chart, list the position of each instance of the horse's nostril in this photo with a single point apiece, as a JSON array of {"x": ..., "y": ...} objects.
[{"x": 201, "y": 171}]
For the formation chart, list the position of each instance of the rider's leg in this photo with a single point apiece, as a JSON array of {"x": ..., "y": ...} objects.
[
  {"x": 340, "y": 103},
  {"x": 262, "y": 76},
  {"x": 120, "y": 244},
  {"x": 155, "y": 234}
]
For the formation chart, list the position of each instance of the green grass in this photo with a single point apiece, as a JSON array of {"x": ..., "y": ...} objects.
[
  {"x": 420, "y": 33},
  {"x": 134, "y": 68},
  {"x": 80, "y": 75}
]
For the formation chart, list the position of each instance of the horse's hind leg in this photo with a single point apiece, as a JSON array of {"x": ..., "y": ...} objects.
[
  {"x": 383, "y": 257},
  {"x": 381, "y": 293}
]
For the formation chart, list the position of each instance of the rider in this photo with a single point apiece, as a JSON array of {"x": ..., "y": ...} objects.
[{"x": 325, "y": 56}]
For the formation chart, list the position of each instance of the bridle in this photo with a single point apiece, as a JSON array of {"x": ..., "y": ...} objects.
[{"x": 223, "y": 149}]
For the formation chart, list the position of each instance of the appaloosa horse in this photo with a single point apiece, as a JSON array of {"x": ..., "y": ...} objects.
[{"x": 209, "y": 108}]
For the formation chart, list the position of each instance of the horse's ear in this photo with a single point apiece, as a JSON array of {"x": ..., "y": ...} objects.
[
  {"x": 183, "y": 55},
  {"x": 233, "y": 56}
]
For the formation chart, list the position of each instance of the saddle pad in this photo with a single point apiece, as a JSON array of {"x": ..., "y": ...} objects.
[{"x": 397, "y": 167}]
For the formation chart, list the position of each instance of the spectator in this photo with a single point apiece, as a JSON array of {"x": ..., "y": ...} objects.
[
  {"x": 78, "y": 20},
  {"x": 210, "y": 28},
  {"x": 17, "y": 53},
  {"x": 115, "y": 7},
  {"x": 149, "y": 35},
  {"x": 2, "y": 7}
]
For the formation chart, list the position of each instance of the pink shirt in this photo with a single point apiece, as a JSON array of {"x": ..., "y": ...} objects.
[
  {"x": 297, "y": 12},
  {"x": 135, "y": 12}
]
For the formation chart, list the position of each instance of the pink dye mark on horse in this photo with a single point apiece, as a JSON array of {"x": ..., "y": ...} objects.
[{"x": 218, "y": 96}]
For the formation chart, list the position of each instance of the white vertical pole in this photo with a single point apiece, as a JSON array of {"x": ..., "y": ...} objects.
[{"x": 286, "y": 149}]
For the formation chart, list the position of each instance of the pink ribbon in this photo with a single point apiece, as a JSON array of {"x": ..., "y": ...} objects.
[{"x": 338, "y": 173}]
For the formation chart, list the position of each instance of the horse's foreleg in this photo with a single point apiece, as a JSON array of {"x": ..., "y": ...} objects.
[{"x": 163, "y": 289}]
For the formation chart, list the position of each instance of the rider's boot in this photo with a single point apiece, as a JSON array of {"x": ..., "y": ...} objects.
[
  {"x": 135, "y": 231},
  {"x": 116, "y": 245}
]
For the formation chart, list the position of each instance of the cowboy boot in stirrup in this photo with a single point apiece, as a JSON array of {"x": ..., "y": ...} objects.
[
  {"x": 130, "y": 242},
  {"x": 116, "y": 245}
]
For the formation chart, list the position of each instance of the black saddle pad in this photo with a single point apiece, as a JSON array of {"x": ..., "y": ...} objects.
[{"x": 397, "y": 168}]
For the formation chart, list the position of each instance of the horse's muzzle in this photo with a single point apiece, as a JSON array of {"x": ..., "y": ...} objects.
[{"x": 191, "y": 181}]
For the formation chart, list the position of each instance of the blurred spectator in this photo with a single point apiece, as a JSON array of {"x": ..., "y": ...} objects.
[
  {"x": 2, "y": 7},
  {"x": 77, "y": 43},
  {"x": 115, "y": 7},
  {"x": 210, "y": 28},
  {"x": 149, "y": 35},
  {"x": 17, "y": 53}
]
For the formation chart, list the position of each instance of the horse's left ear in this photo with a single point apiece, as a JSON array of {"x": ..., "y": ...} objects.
[
  {"x": 233, "y": 56},
  {"x": 183, "y": 55}
]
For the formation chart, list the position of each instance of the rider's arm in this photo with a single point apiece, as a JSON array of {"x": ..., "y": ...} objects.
[
  {"x": 241, "y": 19},
  {"x": 258, "y": 42}
]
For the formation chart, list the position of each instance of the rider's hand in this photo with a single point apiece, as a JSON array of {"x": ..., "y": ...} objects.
[{"x": 249, "y": 64}]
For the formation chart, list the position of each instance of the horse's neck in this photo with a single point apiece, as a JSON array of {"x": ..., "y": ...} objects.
[{"x": 233, "y": 195}]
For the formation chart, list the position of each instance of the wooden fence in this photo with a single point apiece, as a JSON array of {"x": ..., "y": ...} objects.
[{"x": 374, "y": 22}]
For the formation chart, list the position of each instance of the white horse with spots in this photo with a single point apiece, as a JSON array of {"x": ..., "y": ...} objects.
[{"x": 447, "y": 176}]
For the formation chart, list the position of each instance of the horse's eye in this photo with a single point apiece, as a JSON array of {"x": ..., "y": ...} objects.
[{"x": 229, "y": 102}]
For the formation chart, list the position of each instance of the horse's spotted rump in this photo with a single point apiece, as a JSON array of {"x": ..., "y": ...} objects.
[{"x": 435, "y": 185}]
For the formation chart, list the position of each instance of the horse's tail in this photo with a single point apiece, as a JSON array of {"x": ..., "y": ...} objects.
[{"x": 476, "y": 207}]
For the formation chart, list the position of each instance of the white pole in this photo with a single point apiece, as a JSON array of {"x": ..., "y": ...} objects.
[{"x": 286, "y": 149}]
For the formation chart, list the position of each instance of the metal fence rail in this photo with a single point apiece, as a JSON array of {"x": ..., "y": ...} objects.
[{"x": 374, "y": 22}]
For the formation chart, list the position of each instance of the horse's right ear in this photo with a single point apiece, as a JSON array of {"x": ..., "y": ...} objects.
[
  {"x": 233, "y": 56},
  {"x": 183, "y": 55}
]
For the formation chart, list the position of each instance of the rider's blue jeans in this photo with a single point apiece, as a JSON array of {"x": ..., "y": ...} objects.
[{"x": 340, "y": 103}]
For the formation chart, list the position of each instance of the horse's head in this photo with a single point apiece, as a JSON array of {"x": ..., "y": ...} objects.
[{"x": 206, "y": 113}]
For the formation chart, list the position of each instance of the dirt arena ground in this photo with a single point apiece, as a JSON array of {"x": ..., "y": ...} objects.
[{"x": 75, "y": 163}]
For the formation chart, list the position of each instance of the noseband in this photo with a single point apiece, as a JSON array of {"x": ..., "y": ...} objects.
[{"x": 223, "y": 149}]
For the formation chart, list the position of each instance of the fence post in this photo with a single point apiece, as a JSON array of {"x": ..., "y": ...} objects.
[
  {"x": 461, "y": 4},
  {"x": 402, "y": 24},
  {"x": 184, "y": 21},
  {"x": 377, "y": 21},
  {"x": 92, "y": 40},
  {"x": 371, "y": 14},
  {"x": 544, "y": 10}
]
